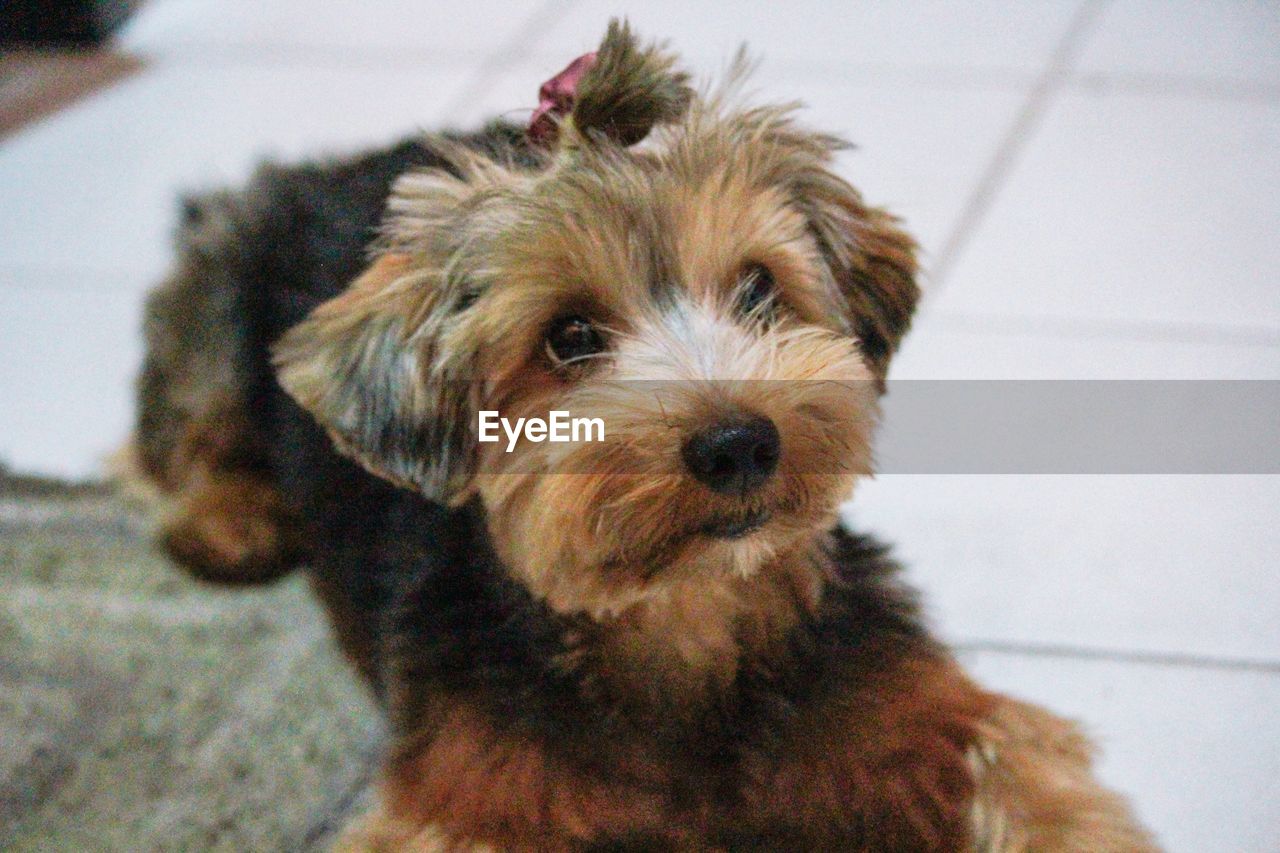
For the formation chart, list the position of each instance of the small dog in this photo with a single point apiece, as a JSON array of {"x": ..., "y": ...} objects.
[{"x": 661, "y": 640}]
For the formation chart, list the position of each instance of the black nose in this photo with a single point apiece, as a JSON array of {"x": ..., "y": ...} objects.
[{"x": 734, "y": 456}]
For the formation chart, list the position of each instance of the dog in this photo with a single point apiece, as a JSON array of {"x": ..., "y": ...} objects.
[{"x": 661, "y": 639}]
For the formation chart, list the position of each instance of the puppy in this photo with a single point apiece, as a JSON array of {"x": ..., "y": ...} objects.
[{"x": 660, "y": 639}]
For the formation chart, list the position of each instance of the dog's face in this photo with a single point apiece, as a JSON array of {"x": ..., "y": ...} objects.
[{"x": 721, "y": 301}]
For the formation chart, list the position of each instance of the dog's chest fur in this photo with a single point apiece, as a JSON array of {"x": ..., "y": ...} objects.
[{"x": 512, "y": 717}]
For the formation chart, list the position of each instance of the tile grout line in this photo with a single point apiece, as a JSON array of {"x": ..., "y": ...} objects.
[
  {"x": 1165, "y": 659},
  {"x": 1015, "y": 139},
  {"x": 516, "y": 49}
]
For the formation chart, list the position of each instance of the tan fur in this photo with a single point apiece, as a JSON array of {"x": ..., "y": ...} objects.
[
  {"x": 217, "y": 516},
  {"x": 889, "y": 766},
  {"x": 229, "y": 528},
  {"x": 670, "y": 653},
  {"x": 378, "y": 832},
  {"x": 717, "y": 200},
  {"x": 655, "y": 244},
  {"x": 1037, "y": 792},
  {"x": 628, "y": 91}
]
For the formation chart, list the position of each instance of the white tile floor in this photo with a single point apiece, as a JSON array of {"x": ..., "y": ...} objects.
[{"x": 1095, "y": 185}]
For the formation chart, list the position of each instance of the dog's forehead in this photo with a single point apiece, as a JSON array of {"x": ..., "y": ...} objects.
[{"x": 641, "y": 224}]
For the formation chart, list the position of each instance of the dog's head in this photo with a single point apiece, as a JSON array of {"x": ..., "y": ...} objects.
[{"x": 690, "y": 272}]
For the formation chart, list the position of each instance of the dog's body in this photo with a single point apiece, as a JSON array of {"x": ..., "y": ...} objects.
[
  {"x": 559, "y": 676},
  {"x": 254, "y": 485}
]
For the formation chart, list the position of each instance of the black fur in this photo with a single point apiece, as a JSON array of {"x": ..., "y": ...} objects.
[
  {"x": 418, "y": 582},
  {"x": 251, "y": 265},
  {"x": 462, "y": 625}
]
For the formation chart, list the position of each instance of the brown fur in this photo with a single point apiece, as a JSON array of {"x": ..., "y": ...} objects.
[
  {"x": 840, "y": 770},
  {"x": 220, "y": 517},
  {"x": 653, "y": 244},
  {"x": 907, "y": 761},
  {"x": 886, "y": 770},
  {"x": 578, "y": 655},
  {"x": 477, "y": 785},
  {"x": 630, "y": 90},
  {"x": 1036, "y": 790},
  {"x": 887, "y": 766},
  {"x": 716, "y": 199},
  {"x": 229, "y": 528}
]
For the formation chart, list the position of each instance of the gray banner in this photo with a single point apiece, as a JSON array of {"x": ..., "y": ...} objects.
[
  {"x": 1080, "y": 427},
  {"x": 966, "y": 426}
]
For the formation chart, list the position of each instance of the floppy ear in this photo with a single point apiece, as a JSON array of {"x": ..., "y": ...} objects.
[
  {"x": 361, "y": 364},
  {"x": 872, "y": 259},
  {"x": 880, "y": 284}
]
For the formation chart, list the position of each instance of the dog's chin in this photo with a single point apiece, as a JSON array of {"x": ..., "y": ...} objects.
[
  {"x": 738, "y": 542},
  {"x": 736, "y": 526}
]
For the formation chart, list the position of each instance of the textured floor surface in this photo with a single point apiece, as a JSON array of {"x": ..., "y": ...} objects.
[
  {"x": 1095, "y": 185},
  {"x": 139, "y": 711}
]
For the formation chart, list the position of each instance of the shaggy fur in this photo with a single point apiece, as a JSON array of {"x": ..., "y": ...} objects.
[{"x": 584, "y": 646}]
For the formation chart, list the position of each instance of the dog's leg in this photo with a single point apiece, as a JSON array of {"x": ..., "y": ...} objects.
[
  {"x": 229, "y": 527},
  {"x": 1037, "y": 792},
  {"x": 218, "y": 516}
]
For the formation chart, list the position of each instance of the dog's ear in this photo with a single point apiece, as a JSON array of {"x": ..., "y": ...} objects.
[
  {"x": 628, "y": 90},
  {"x": 874, "y": 263},
  {"x": 362, "y": 365},
  {"x": 871, "y": 258}
]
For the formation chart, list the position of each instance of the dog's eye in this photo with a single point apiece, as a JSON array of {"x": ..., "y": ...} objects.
[
  {"x": 758, "y": 290},
  {"x": 573, "y": 337}
]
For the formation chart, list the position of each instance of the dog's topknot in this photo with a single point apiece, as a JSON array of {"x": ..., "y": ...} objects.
[{"x": 629, "y": 90}]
